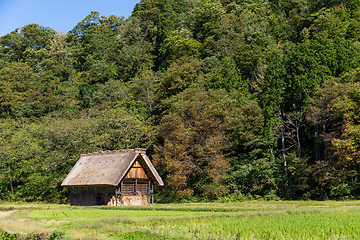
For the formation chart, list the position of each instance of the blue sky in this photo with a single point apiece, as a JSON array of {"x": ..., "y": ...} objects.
[{"x": 60, "y": 15}]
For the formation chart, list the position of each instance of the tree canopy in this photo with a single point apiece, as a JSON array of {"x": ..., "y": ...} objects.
[{"x": 259, "y": 98}]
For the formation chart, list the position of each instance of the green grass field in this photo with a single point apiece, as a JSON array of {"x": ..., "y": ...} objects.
[{"x": 245, "y": 220}]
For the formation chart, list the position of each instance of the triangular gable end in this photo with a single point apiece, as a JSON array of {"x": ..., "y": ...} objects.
[
  {"x": 147, "y": 166},
  {"x": 152, "y": 170},
  {"x": 137, "y": 170}
]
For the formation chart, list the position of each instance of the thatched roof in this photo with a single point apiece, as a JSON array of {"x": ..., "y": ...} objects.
[{"x": 108, "y": 168}]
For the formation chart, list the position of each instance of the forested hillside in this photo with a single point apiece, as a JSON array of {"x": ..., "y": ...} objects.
[{"x": 255, "y": 97}]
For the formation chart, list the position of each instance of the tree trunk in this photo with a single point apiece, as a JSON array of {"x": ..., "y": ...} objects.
[
  {"x": 298, "y": 140},
  {"x": 283, "y": 140},
  {"x": 283, "y": 147}
]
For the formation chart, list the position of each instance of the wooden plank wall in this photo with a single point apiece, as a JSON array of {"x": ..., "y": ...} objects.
[
  {"x": 132, "y": 187},
  {"x": 136, "y": 171}
]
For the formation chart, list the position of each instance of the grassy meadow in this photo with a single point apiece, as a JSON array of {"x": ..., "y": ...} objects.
[{"x": 244, "y": 220}]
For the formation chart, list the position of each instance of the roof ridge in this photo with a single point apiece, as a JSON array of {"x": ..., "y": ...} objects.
[{"x": 136, "y": 150}]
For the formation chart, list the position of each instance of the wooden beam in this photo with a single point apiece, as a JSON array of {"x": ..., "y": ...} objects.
[
  {"x": 152, "y": 194},
  {"x": 136, "y": 186},
  {"x": 149, "y": 192},
  {"x": 121, "y": 190},
  {"x": 96, "y": 197}
]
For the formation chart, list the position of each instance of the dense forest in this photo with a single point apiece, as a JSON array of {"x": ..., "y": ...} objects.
[{"x": 255, "y": 98}]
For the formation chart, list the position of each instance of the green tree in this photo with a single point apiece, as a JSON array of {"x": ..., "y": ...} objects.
[
  {"x": 331, "y": 21},
  {"x": 37, "y": 37},
  {"x": 311, "y": 63},
  {"x": 17, "y": 80},
  {"x": 179, "y": 76},
  {"x": 225, "y": 75},
  {"x": 58, "y": 49},
  {"x": 354, "y": 27},
  {"x": 135, "y": 48},
  {"x": 181, "y": 44},
  {"x": 143, "y": 88},
  {"x": 12, "y": 46},
  {"x": 95, "y": 48},
  {"x": 207, "y": 16},
  {"x": 159, "y": 19}
]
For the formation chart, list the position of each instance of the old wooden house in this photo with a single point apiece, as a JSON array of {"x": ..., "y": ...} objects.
[{"x": 121, "y": 177}]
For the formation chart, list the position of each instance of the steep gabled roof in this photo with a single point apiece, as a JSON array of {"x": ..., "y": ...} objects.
[{"x": 108, "y": 168}]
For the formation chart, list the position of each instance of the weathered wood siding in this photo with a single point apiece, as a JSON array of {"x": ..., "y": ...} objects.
[
  {"x": 136, "y": 171},
  {"x": 90, "y": 196},
  {"x": 132, "y": 186}
]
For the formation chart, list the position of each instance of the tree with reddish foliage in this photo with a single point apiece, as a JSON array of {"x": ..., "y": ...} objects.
[{"x": 196, "y": 134}]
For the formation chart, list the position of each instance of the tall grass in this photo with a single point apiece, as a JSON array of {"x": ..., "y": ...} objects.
[
  {"x": 312, "y": 225},
  {"x": 249, "y": 220}
]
